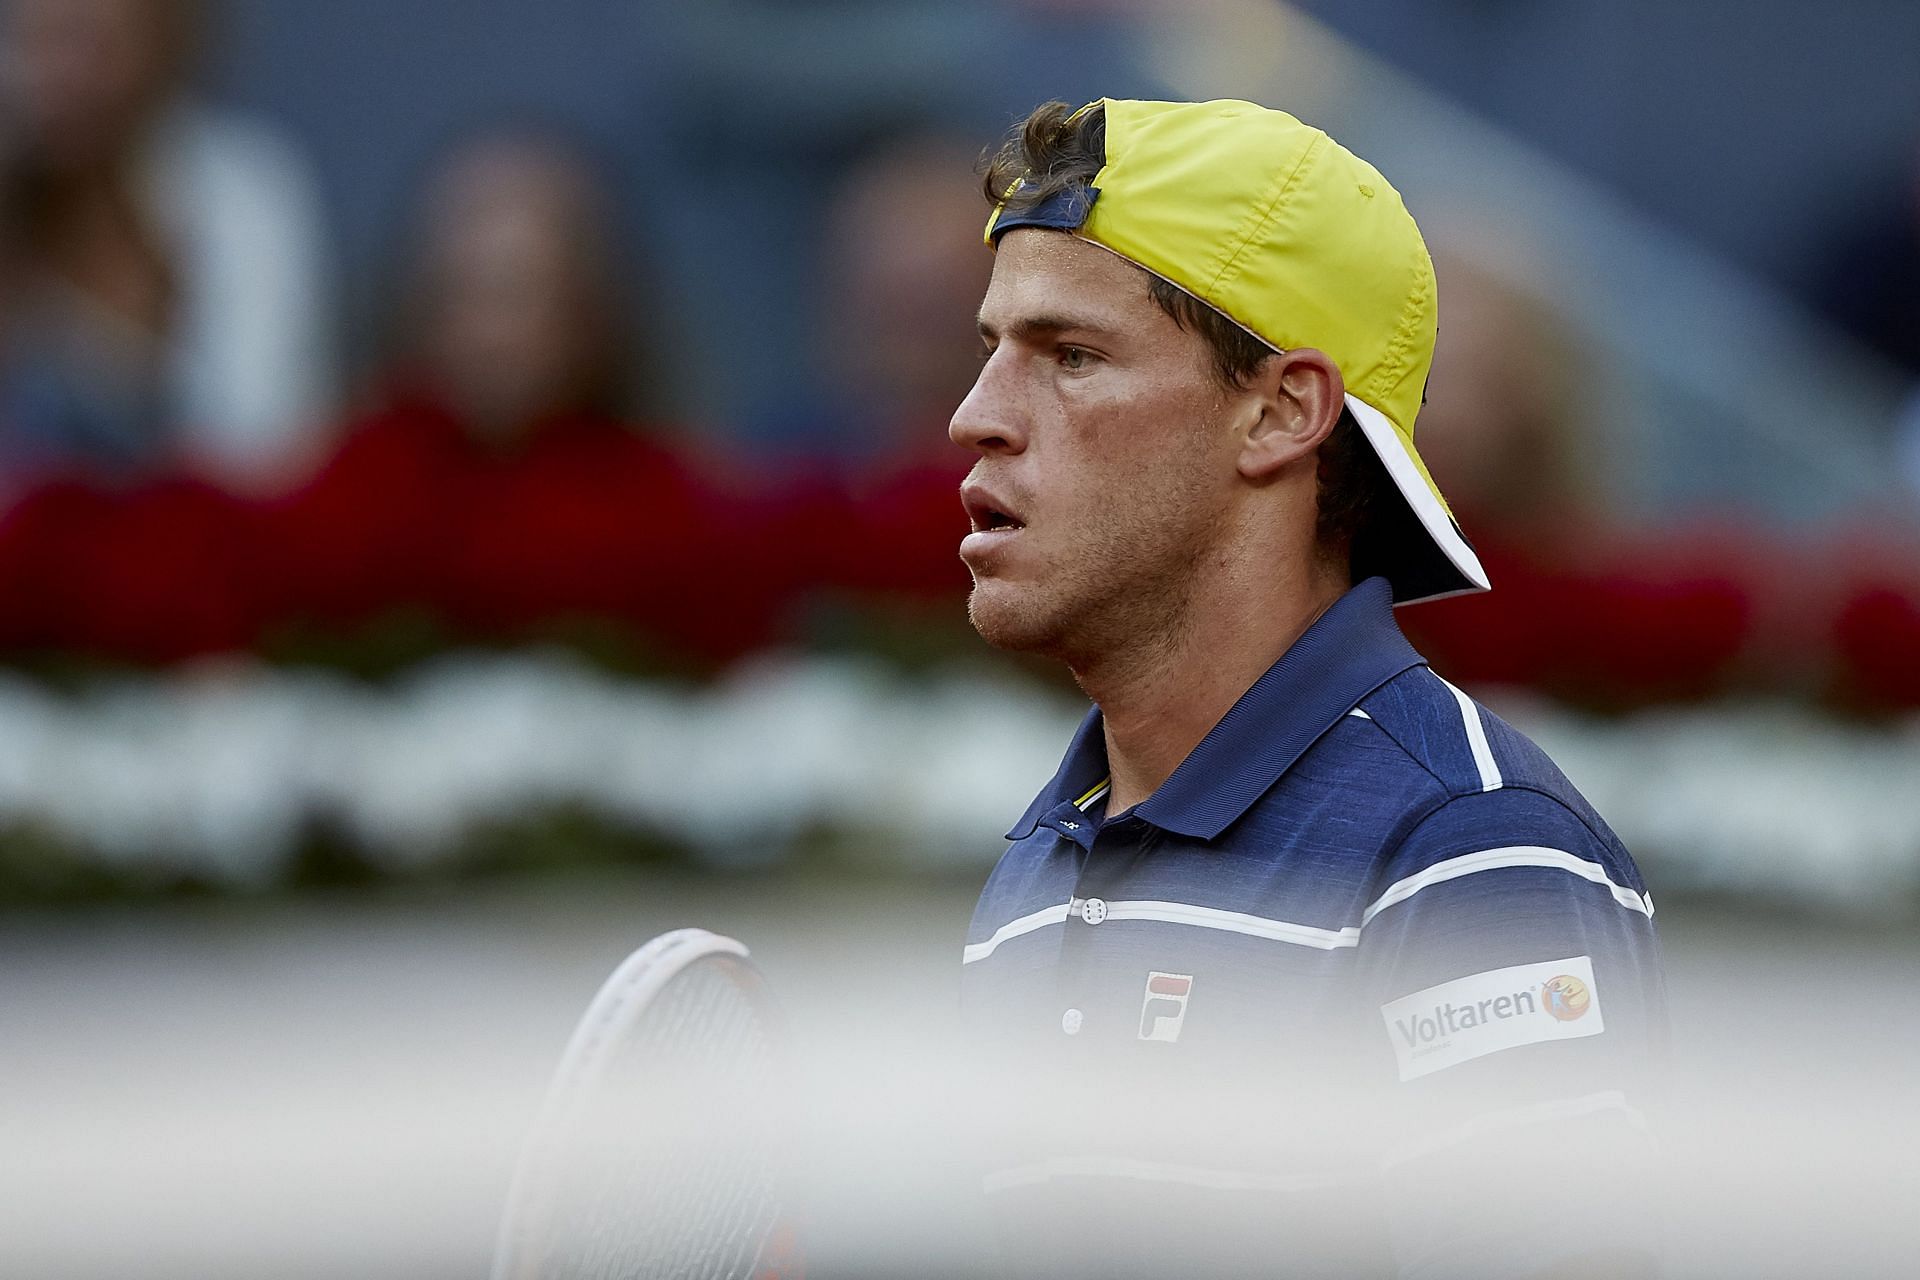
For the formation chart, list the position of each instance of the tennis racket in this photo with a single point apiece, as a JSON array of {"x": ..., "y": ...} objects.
[{"x": 658, "y": 1150}]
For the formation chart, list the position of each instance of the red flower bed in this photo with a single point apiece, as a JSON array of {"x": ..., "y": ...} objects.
[{"x": 705, "y": 558}]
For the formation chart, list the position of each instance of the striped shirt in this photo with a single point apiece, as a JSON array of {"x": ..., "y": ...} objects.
[{"x": 1359, "y": 872}]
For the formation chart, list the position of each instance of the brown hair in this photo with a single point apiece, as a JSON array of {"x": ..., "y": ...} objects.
[{"x": 1056, "y": 149}]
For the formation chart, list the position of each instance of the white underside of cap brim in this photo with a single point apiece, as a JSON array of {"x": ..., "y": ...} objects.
[{"x": 1413, "y": 487}]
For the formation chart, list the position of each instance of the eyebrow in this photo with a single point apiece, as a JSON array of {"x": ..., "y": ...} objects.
[{"x": 1047, "y": 325}]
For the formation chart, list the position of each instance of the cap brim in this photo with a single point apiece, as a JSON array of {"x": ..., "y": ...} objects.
[{"x": 1447, "y": 565}]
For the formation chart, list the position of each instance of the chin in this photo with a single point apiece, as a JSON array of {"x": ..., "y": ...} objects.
[{"x": 1008, "y": 617}]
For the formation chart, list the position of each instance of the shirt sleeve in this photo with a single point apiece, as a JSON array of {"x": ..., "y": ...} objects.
[{"x": 1510, "y": 988}]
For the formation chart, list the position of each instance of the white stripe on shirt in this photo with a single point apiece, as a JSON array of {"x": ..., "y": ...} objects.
[
  {"x": 1490, "y": 779},
  {"x": 1300, "y": 935},
  {"x": 1496, "y": 859},
  {"x": 1013, "y": 929},
  {"x": 1236, "y": 922}
]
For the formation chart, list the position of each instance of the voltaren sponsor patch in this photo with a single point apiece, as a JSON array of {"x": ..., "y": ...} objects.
[{"x": 1486, "y": 1012}]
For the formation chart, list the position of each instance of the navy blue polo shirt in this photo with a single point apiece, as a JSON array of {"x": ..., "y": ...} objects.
[{"x": 1359, "y": 871}]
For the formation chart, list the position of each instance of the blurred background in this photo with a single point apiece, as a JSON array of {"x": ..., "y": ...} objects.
[{"x": 474, "y": 493}]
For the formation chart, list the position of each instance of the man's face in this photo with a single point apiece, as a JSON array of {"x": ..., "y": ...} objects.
[{"x": 1106, "y": 454}]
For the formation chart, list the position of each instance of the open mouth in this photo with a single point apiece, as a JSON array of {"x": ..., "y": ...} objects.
[{"x": 988, "y": 514}]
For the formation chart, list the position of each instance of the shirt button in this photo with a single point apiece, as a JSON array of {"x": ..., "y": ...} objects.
[
  {"x": 1070, "y": 1021},
  {"x": 1093, "y": 910}
]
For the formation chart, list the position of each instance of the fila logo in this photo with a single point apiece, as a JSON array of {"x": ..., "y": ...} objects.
[{"x": 1164, "y": 1008}]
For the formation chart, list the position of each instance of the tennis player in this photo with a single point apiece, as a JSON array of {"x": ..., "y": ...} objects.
[{"x": 1280, "y": 845}]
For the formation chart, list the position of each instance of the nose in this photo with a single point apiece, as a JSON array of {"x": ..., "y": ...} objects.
[{"x": 989, "y": 419}]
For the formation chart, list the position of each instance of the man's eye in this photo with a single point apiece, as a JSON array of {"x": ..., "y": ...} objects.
[{"x": 1074, "y": 357}]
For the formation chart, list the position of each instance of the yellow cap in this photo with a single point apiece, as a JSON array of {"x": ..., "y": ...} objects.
[{"x": 1302, "y": 243}]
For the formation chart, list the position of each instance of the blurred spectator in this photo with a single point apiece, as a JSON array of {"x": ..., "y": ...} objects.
[
  {"x": 167, "y": 296},
  {"x": 762, "y": 104},
  {"x": 1508, "y": 428},
  {"x": 1580, "y": 607},
  {"x": 501, "y": 483},
  {"x": 513, "y": 304},
  {"x": 906, "y": 267}
]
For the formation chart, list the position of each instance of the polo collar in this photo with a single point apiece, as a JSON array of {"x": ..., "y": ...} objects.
[{"x": 1349, "y": 651}]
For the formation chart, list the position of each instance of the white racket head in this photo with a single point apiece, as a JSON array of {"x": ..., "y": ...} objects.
[{"x": 659, "y": 1149}]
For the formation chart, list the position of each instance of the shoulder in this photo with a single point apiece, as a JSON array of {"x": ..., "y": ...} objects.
[
  {"x": 1465, "y": 747},
  {"x": 1495, "y": 798},
  {"x": 1509, "y": 867},
  {"x": 1418, "y": 771},
  {"x": 1471, "y": 754}
]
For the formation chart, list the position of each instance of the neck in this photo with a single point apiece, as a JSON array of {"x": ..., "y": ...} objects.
[{"x": 1159, "y": 697}]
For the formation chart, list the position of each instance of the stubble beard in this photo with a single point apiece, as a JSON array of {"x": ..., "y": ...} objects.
[{"x": 1121, "y": 592}]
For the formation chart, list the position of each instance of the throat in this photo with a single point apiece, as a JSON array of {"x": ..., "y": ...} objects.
[
  {"x": 1153, "y": 722},
  {"x": 1159, "y": 700}
]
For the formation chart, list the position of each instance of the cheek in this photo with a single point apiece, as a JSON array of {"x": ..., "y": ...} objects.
[
  {"x": 1151, "y": 445},
  {"x": 1142, "y": 495}
]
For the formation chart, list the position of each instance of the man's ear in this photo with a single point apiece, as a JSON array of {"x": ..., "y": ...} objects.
[{"x": 1294, "y": 402}]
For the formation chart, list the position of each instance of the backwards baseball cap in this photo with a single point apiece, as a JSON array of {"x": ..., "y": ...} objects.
[{"x": 1303, "y": 244}]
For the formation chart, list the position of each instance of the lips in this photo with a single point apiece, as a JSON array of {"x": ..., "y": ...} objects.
[
  {"x": 987, "y": 512},
  {"x": 995, "y": 523}
]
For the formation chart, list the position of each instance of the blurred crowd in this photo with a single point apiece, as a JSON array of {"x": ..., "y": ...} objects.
[{"x": 189, "y": 466}]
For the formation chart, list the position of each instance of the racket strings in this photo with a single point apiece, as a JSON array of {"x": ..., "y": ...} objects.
[
  {"x": 728, "y": 1208},
  {"x": 669, "y": 1165}
]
